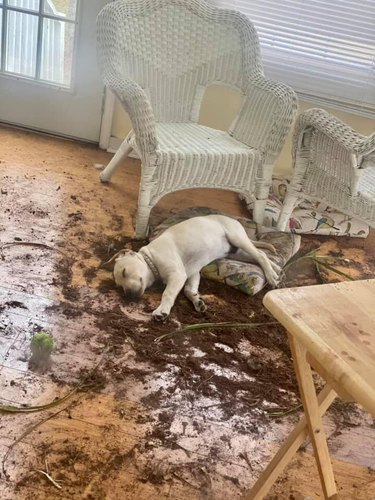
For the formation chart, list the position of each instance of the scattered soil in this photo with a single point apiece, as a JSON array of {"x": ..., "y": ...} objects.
[
  {"x": 243, "y": 378},
  {"x": 105, "y": 248},
  {"x": 345, "y": 414},
  {"x": 89, "y": 273},
  {"x": 74, "y": 218},
  {"x": 108, "y": 247},
  {"x": 347, "y": 256},
  {"x": 64, "y": 273},
  {"x": 243, "y": 372},
  {"x": 13, "y": 304},
  {"x": 203, "y": 358}
]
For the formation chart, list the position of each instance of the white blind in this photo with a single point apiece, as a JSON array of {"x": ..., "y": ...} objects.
[{"x": 324, "y": 49}]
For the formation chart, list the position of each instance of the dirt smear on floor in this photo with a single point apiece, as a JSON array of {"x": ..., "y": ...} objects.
[
  {"x": 243, "y": 378},
  {"x": 239, "y": 367},
  {"x": 240, "y": 378}
]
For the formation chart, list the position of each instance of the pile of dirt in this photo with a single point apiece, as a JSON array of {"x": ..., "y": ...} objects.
[
  {"x": 235, "y": 362},
  {"x": 243, "y": 372}
]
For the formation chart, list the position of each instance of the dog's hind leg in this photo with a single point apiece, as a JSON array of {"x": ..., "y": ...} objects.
[
  {"x": 191, "y": 292},
  {"x": 238, "y": 238}
]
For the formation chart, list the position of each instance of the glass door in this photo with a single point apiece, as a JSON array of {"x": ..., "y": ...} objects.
[{"x": 48, "y": 73}]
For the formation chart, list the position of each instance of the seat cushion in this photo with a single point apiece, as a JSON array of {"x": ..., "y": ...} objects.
[{"x": 309, "y": 216}]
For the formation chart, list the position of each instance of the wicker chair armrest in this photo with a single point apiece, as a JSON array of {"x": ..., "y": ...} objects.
[
  {"x": 136, "y": 103},
  {"x": 334, "y": 128},
  {"x": 266, "y": 116},
  {"x": 131, "y": 95}
]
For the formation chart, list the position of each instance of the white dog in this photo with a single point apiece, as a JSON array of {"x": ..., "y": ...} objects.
[{"x": 177, "y": 256}]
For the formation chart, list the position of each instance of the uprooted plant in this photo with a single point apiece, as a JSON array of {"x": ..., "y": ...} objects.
[{"x": 42, "y": 346}]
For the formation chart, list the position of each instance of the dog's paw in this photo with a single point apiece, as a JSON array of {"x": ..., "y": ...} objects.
[
  {"x": 273, "y": 274},
  {"x": 276, "y": 267},
  {"x": 200, "y": 305},
  {"x": 273, "y": 279},
  {"x": 159, "y": 315}
]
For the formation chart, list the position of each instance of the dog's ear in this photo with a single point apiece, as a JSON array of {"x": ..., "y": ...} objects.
[{"x": 111, "y": 262}]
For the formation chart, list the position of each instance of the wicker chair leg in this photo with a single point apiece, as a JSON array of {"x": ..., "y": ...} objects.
[
  {"x": 262, "y": 191},
  {"x": 141, "y": 226},
  {"x": 289, "y": 203},
  {"x": 113, "y": 165},
  {"x": 258, "y": 212}
]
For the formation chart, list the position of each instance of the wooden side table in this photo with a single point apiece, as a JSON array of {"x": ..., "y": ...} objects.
[{"x": 332, "y": 329}]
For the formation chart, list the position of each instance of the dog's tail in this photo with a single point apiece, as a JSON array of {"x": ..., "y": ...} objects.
[{"x": 265, "y": 246}]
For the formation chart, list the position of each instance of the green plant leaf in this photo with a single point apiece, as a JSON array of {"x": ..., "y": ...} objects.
[{"x": 204, "y": 326}]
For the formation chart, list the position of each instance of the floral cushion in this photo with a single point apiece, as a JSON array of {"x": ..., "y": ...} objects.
[
  {"x": 309, "y": 217},
  {"x": 244, "y": 276}
]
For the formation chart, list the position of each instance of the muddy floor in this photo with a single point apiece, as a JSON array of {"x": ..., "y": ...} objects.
[
  {"x": 156, "y": 412},
  {"x": 242, "y": 378}
]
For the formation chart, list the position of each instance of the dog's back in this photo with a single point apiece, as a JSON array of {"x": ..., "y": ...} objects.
[{"x": 197, "y": 241}]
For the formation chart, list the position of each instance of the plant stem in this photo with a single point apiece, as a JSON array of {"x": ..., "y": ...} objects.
[
  {"x": 331, "y": 268},
  {"x": 284, "y": 413},
  {"x": 319, "y": 260},
  {"x": 33, "y": 409},
  {"x": 205, "y": 326},
  {"x": 28, "y": 244}
]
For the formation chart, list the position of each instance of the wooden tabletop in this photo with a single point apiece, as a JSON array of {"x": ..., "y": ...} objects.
[{"x": 336, "y": 324}]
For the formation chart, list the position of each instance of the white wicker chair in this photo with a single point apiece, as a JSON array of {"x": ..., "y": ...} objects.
[
  {"x": 333, "y": 164},
  {"x": 158, "y": 56}
]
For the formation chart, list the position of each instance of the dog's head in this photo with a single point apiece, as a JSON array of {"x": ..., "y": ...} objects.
[{"x": 130, "y": 272}]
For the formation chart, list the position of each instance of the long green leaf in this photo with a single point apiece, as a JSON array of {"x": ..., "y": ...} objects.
[
  {"x": 319, "y": 260},
  {"x": 33, "y": 409},
  {"x": 278, "y": 414},
  {"x": 204, "y": 326},
  {"x": 333, "y": 269}
]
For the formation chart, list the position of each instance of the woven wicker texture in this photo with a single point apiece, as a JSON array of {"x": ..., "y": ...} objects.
[
  {"x": 333, "y": 164},
  {"x": 158, "y": 57}
]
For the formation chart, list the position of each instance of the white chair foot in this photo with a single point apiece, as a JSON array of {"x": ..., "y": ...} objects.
[
  {"x": 104, "y": 178},
  {"x": 258, "y": 212},
  {"x": 141, "y": 227},
  {"x": 114, "y": 164}
]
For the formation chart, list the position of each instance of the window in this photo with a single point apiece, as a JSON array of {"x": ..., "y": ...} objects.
[
  {"x": 37, "y": 40},
  {"x": 324, "y": 49}
]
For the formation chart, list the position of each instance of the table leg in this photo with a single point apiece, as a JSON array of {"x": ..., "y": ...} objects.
[
  {"x": 288, "y": 449},
  {"x": 313, "y": 417}
]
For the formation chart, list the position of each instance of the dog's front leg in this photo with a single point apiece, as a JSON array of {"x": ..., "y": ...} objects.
[
  {"x": 174, "y": 285},
  {"x": 192, "y": 293}
]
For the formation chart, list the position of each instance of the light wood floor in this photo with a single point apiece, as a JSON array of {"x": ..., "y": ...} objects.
[{"x": 40, "y": 176}]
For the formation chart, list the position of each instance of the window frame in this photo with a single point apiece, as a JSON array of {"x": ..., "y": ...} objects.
[{"x": 40, "y": 15}]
